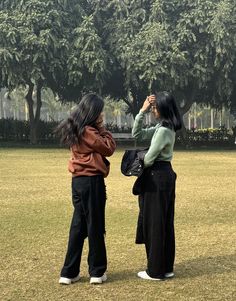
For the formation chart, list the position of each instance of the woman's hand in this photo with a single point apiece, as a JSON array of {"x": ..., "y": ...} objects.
[
  {"x": 152, "y": 99},
  {"x": 149, "y": 101}
]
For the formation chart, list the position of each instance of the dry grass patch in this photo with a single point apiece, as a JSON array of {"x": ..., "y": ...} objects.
[{"x": 35, "y": 215}]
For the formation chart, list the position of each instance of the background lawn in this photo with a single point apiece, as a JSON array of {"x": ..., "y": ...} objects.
[{"x": 35, "y": 214}]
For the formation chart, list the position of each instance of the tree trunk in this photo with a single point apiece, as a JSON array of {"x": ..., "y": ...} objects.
[
  {"x": 135, "y": 102},
  {"x": 34, "y": 117},
  {"x": 133, "y": 107},
  {"x": 183, "y": 110}
]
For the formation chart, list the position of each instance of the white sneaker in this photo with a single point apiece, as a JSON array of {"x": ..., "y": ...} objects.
[
  {"x": 145, "y": 276},
  {"x": 169, "y": 275},
  {"x": 98, "y": 280},
  {"x": 64, "y": 280}
]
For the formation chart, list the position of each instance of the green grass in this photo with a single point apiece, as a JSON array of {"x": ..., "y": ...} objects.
[{"x": 35, "y": 214}]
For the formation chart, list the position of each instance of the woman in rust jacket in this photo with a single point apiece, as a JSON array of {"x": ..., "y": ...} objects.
[{"x": 90, "y": 143}]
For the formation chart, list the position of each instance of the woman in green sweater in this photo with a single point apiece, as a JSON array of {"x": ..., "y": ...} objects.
[{"x": 157, "y": 200}]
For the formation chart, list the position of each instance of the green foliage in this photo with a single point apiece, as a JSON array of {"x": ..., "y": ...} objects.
[
  {"x": 125, "y": 49},
  {"x": 207, "y": 33},
  {"x": 181, "y": 46},
  {"x": 50, "y": 41},
  {"x": 88, "y": 60},
  {"x": 14, "y": 130},
  {"x": 207, "y": 137},
  {"x": 19, "y": 131}
]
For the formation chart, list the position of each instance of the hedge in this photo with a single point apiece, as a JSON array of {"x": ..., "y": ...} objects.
[{"x": 18, "y": 131}]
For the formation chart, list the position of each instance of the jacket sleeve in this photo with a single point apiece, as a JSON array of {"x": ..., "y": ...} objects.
[
  {"x": 103, "y": 143},
  {"x": 138, "y": 132}
]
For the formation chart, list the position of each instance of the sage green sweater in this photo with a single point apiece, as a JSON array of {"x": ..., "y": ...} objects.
[{"x": 162, "y": 140}]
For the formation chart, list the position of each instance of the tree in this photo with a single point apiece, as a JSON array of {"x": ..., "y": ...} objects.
[
  {"x": 182, "y": 46},
  {"x": 124, "y": 49},
  {"x": 28, "y": 45},
  {"x": 41, "y": 47},
  {"x": 207, "y": 33}
]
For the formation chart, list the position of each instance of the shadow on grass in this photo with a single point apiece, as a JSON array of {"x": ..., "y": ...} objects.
[
  {"x": 127, "y": 275},
  {"x": 205, "y": 266},
  {"x": 187, "y": 269}
]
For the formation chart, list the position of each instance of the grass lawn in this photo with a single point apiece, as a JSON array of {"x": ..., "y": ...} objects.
[{"x": 35, "y": 214}]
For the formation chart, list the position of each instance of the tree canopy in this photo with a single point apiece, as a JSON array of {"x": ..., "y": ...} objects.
[
  {"x": 182, "y": 46},
  {"x": 122, "y": 48}
]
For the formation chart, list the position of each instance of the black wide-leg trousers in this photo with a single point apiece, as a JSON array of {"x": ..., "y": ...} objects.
[
  {"x": 89, "y": 199},
  {"x": 156, "y": 219}
]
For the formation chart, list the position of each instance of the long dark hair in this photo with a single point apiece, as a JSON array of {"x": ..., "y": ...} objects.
[
  {"x": 86, "y": 113},
  {"x": 168, "y": 110}
]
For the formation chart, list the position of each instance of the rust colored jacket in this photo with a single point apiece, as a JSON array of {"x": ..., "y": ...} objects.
[{"x": 88, "y": 158}]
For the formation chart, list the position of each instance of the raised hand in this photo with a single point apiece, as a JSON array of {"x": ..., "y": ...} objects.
[{"x": 149, "y": 101}]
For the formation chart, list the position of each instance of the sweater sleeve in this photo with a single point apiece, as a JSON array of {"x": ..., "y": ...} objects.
[
  {"x": 138, "y": 132},
  {"x": 159, "y": 142},
  {"x": 103, "y": 143}
]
